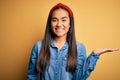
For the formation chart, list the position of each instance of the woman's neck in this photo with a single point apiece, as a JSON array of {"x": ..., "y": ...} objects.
[{"x": 59, "y": 42}]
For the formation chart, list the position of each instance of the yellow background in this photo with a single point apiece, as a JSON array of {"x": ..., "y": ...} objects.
[{"x": 22, "y": 23}]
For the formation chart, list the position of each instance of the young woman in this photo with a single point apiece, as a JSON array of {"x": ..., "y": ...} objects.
[{"x": 59, "y": 56}]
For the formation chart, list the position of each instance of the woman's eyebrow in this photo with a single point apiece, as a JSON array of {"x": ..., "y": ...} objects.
[
  {"x": 64, "y": 17},
  {"x": 54, "y": 18},
  {"x": 61, "y": 17}
]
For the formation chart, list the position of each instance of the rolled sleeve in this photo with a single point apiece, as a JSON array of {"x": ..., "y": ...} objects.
[
  {"x": 85, "y": 64},
  {"x": 89, "y": 64}
]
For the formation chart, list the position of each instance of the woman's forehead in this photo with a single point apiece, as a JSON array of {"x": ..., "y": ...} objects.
[{"x": 60, "y": 13}]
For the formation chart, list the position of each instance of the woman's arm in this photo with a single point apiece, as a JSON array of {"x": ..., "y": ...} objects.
[
  {"x": 88, "y": 64},
  {"x": 91, "y": 60},
  {"x": 85, "y": 64},
  {"x": 32, "y": 72}
]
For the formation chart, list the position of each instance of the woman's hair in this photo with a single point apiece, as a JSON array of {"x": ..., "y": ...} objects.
[{"x": 43, "y": 61}]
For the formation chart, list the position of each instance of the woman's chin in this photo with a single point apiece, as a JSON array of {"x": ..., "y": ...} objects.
[{"x": 60, "y": 35}]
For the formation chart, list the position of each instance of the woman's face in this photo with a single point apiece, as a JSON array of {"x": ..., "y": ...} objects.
[{"x": 60, "y": 22}]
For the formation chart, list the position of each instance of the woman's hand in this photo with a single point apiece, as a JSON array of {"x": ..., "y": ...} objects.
[{"x": 104, "y": 50}]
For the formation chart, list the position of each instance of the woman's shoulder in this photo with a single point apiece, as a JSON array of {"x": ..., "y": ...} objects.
[
  {"x": 39, "y": 42},
  {"x": 81, "y": 49},
  {"x": 80, "y": 44},
  {"x": 37, "y": 45}
]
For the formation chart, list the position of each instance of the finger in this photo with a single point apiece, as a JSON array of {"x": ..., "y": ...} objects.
[{"x": 113, "y": 49}]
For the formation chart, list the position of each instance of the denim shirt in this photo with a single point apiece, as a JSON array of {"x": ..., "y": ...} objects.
[{"x": 58, "y": 60}]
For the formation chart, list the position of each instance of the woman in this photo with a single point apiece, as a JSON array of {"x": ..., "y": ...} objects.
[{"x": 59, "y": 56}]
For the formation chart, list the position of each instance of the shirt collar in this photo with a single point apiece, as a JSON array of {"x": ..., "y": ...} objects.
[{"x": 52, "y": 44}]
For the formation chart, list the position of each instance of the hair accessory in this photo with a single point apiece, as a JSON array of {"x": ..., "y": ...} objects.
[{"x": 63, "y": 5}]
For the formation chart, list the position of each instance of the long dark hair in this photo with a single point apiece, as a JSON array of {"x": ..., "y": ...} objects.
[{"x": 44, "y": 56}]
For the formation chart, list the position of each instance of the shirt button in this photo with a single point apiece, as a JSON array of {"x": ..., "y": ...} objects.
[
  {"x": 65, "y": 58},
  {"x": 56, "y": 73},
  {"x": 56, "y": 60}
]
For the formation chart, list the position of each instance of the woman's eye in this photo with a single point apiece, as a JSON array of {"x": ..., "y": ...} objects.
[
  {"x": 63, "y": 20},
  {"x": 54, "y": 20}
]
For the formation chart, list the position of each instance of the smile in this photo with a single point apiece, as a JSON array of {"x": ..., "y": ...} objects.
[{"x": 59, "y": 28}]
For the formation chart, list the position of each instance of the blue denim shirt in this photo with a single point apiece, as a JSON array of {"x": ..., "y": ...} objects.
[{"x": 58, "y": 60}]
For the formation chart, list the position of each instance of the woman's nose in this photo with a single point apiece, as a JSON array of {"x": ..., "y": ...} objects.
[{"x": 59, "y": 23}]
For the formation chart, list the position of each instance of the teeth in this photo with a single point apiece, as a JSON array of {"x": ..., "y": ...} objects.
[{"x": 59, "y": 29}]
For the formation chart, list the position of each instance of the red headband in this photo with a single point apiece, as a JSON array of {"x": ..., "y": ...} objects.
[{"x": 63, "y": 5}]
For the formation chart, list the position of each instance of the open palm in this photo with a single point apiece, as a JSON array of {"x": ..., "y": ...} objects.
[{"x": 104, "y": 50}]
